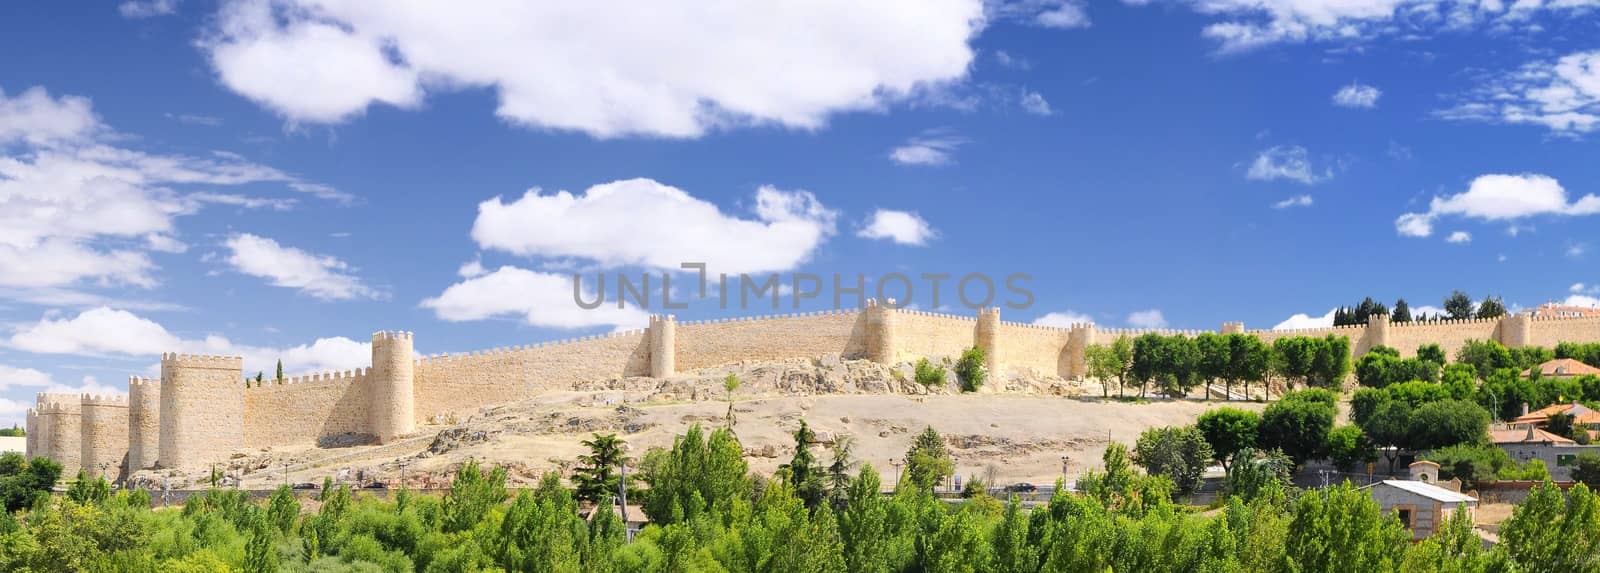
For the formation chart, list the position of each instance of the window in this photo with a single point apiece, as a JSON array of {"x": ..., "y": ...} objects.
[
  {"x": 1405, "y": 517},
  {"x": 1564, "y": 460}
]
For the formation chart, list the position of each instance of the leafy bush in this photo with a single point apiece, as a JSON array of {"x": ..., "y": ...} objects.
[
  {"x": 972, "y": 369},
  {"x": 927, "y": 374}
]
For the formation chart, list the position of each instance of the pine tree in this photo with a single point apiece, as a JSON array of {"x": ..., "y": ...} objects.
[
  {"x": 280, "y": 370},
  {"x": 597, "y": 478},
  {"x": 1402, "y": 311}
]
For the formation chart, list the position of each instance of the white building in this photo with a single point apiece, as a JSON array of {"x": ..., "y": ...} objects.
[{"x": 1421, "y": 506}]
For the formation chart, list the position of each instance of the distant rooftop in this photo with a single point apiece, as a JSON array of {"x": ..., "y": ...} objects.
[{"x": 1427, "y": 490}]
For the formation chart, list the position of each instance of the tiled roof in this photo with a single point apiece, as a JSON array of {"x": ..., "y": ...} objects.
[
  {"x": 1526, "y": 436},
  {"x": 1564, "y": 367}
]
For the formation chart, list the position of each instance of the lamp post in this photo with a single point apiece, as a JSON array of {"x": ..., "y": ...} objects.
[
  {"x": 1064, "y": 460},
  {"x": 896, "y": 463}
]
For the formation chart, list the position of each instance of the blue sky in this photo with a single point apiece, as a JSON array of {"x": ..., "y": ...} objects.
[{"x": 280, "y": 179}]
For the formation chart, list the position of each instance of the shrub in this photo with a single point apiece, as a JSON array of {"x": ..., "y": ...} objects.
[
  {"x": 929, "y": 375},
  {"x": 972, "y": 368}
]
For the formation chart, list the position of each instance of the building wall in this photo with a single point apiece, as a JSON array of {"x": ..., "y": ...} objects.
[
  {"x": 104, "y": 435},
  {"x": 457, "y": 384},
  {"x": 202, "y": 409},
  {"x": 705, "y": 343},
  {"x": 305, "y": 408},
  {"x": 1551, "y": 455},
  {"x": 144, "y": 422},
  {"x": 935, "y": 336}
]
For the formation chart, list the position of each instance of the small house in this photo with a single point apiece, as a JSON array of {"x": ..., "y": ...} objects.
[{"x": 1421, "y": 506}]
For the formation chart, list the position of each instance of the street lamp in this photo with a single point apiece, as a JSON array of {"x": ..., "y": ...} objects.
[
  {"x": 896, "y": 463},
  {"x": 1064, "y": 460}
]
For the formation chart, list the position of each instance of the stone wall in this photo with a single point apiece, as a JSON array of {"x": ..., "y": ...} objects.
[
  {"x": 701, "y": 344},
  {"x": 144, "y": 422},
  {"x": 462, "y": 383},
  {"x": 935, "y": 336},
  {"x": 104, "y": 435},
  {"x": 62, "y": 442},
  {"x": 1548, "y": 332},
  {"x": 1040, "y": 350},
  {"x": 304, "y": 408},
  {"x": 202, "y": 409}
]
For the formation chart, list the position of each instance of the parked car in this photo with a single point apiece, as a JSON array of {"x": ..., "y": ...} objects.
[
  {"x": 1022, "y": 487},
  {"x": 304, "y": 485},
  {"x": 376, "y": 485}
]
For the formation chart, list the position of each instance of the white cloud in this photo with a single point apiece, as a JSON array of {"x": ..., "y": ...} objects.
[
  {"x": 1576, "y": 288},
  {"x": 579, "y": 66},
  {"x": 74, "y": 207},
  {"x": 1302, "y": 320},
  {"x": 643, "y": 222},
  {"x": 13, "y": 376},
  {"x": 1582, "y": 300},
  {"x": 1561, "y": 95},
  {"x": 1060, "y": 14},
  {"x": 902, "y": 227},
  {"x": 1063, "y": 319},
  {"x": 320, "y": 276},
  {"x": 105, "y": 331},
  {"x": 931, "y": 148},
  {"x": 539, "y": 299},
  {"x": 1242, "y": 25},
  {"x": 147, "y": 8},
  {"x": 1296, "y": 201},
  {"x": 1357, "y": 95},
  {"x": 1291, "y": 162},
  {"x": 1459, "y": 237},
  {"x": 1034, "y": 103},
  {"x": 1151, "y": 318},
  {"x": 1498, "y": 197},
  {"x": 1577, "y": 250},
  {"x": 472, "y": 269}
]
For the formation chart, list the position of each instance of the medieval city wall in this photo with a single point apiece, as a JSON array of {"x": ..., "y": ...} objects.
[
  {"x": 706, "y": 343},
  {"x": 1450, "y": 335},
  {"x": 919, "y": 334},
  {"x": 462, "y": 383},
  {"x": 1551, "y": 331},
  {"x": 103, "y": 435},
  {"x": 1035, "y": 349},
  {"x": 304, "y": 408}
]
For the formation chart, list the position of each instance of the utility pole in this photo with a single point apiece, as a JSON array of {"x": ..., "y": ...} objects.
[{"x": 622, "y": 493}]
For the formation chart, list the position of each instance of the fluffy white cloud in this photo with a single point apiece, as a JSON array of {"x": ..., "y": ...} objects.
[
  {"x": 1296, "y": 201},
  {"x": 1302, "y": 320},
  {"x": 147, "y": 8},
  {"x": 73, "y": 206},
  {"x": 1151, "y": 318},
  {"x": 539, "y": 299},
  {"x": 578, "y": 66},
  {"x": 1459, "y": 237},
  {"x": 13, "y": 376},
  {"x": 1046, "y": 13},
  {"x": 1561, "y": 95},
  {"x": 1582, "y": 300},
  {"x": 1498, "y": 197},
  {"x": 321, "y": 276},
  {"x": 643, "y": 222},
  {"x": 1577, "y": 250},
  {"x": 1357, "y": 95},
  {"x": 1241, "y": 25},
  {"x": 902, "y": 227},
  {"x": 1291, "y": 162},
  {"x": 1063, "y": 319},
  {"x": 1034, "y": 103},
  {"x": 105, "y": 331},
  {"x": 931, "y": 148}
]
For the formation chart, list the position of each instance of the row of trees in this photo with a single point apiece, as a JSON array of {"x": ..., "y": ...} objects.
[
  {"x": 1457, "y": 306},
  {"x": 1122, "y": 521},
  {"x": 1177, "y": 364}
]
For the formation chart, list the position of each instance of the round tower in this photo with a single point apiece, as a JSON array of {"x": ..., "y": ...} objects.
[
  {"x": 104, "y": 435},
  {"x": 1516, "y": 330},
  {"x": 144, "y": 423},
  {"x": 663, "y": 345},
  {"x": 880, "y": 332},
  {"x": 1233, "y": 328},
  {"x": 202, "y": 409},
  {"x": 63, "y": 441},
  {"x": 31, "y": 448},
  {"x": 986, "y": 335},
  {"x": 1377, "y": 332},
  {"x": 1075, "y": 364},
  {"x": 392, "y": 408}
]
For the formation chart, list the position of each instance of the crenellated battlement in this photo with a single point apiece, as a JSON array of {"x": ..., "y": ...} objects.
[
  {"x": 142, "y": 382},
  {"x": 212, "y": 361},
  {"x": 392, "y": 335},
  {"x": 330, "y": 376},
  {"x": 57, "y": 399},
  {"x": 112, "y": 400}
]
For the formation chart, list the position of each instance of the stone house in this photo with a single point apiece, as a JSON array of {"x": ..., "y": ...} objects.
[{"x": 1421, "y": 506}]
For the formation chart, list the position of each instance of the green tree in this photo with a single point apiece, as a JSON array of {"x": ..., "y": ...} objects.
[
  {"x": 1348, "y": 446},
  {"x": 1486, "y": 356},
  {"x": 697, "y": 476},
  {"x": 1178, "y": 453},
  {"x": 1341, "y": 529},
  {"x": 1491, "y": 307},
  {"x": 1389, "y": 427},
  {"x": 1586, "y": 469},
  {"x": 1447, "y": 423},
  {"x": 1293, "y": 358},
  {"x": 1255, "y": 472},
  {"x": 280, "y": 371},
  {"x": 1458, "y": 305},
  {"x": 22, "y": 480},
  {"x": 927, "y": 374},
  {"x": 1298, "y": 427},
  {"x": 928, "y": 461},
  {"x": 1402, "y": 312},
  {"x": 805, "y": 472},
  {"x": 596, "y": 478},
  {"x": 972, "y": 368},
  {"x": 1331, "y": 362},
  {"x": 1432, "y": 352},
  {"x": 1213, "y": 356},
  {"x": 1228, "y": 431},
  {"x": 1171, "y": 362},
  {"x": 729, "y": 385},
  {"x": 1249, "y": 360},
  {"x": 1110, "y": 362}
]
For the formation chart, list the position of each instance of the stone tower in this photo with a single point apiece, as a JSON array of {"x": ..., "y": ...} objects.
[
  {"x": 880, "y": 332},
  {"x": 391, "y": 405},
  {"x": 663, "y": 345},
  {"x": 202, "y": 409},
  {"x": 986, "y": 335},
  {"x": 104, "y": 435},
  {"x": 63, "y": 417},
  {"x": 1233, "y": 328},
  {"x": 33, "y": 429},
  {"x": 1079, "y": 339},
  {"x": 1516, "y": 330},
  {"x": 144, "y": 422},
  {"x": 1377, "y": 332}
]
